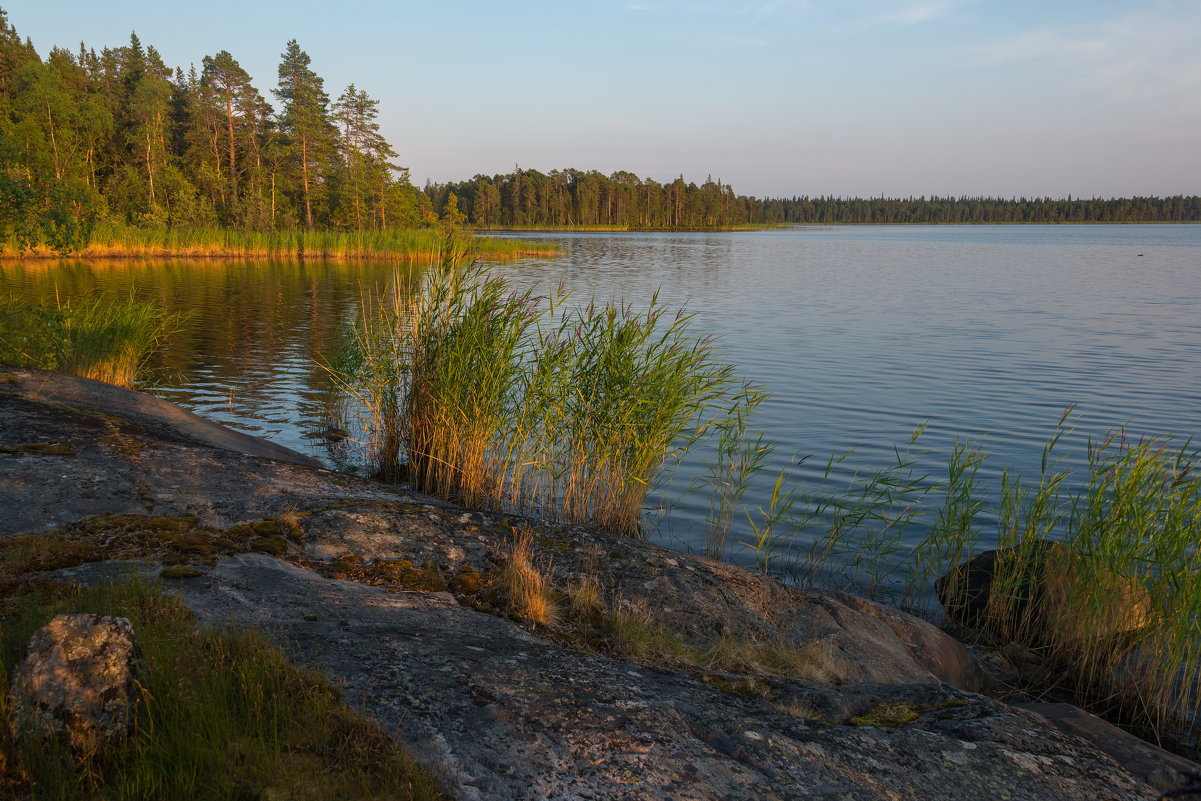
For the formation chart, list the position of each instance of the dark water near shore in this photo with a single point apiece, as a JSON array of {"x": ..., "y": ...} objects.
[{"x": 860, "y": 334}]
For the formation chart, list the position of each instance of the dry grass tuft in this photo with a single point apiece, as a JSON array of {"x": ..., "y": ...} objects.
[{"x": 524, "y": 587}]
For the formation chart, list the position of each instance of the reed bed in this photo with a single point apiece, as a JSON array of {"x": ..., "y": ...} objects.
[
  {"x": 107, "y": 340},
  {"x": 504, "y": 400},
  {"x": 113, "y": 241},
  {"x": 1097, "y": 577},
  {"x": 1115, "y": 614}
]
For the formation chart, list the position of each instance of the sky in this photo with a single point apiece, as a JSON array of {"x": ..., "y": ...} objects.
[{"x": 862, "y": 98}]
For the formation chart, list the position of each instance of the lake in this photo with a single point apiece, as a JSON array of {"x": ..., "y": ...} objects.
[{"x": 859, "y": 333}]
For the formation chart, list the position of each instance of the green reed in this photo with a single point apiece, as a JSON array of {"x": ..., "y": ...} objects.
[
  {"x": 1098, "y": 575},
  {"x": 739, "y": 454},
  {"x": 852, "y": 539},
  {"x": 505, "y": 400},
  {"x": 108, "y": 340}
]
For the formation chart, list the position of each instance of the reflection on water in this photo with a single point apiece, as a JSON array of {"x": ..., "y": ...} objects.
[
  {"x": 249, "y": 353},
  {"x": 859, "y": 333}
]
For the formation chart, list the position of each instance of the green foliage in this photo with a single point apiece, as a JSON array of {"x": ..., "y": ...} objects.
[
  {"x": 1113, "y": 613},
  {"x": 43, "y": 199},
  {"x": 309, "y": 137},
  {"x": 106, "y": 340},
  {"x": 119, "y": 137},
  {"x": 225, "y": 716},
  {"x": 503, "y": 400},
  {"x": 578, "y": 198}
]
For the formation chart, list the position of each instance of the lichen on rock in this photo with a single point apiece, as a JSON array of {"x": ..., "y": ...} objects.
[{"x": 78, "y": 682}]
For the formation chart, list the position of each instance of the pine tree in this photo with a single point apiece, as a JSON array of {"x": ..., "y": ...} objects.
[
  {"x": 366, "y": 158},
  {"x": 308, "y": 133}
]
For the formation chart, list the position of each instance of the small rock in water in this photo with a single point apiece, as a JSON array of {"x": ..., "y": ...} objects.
[
  {"x": 329, "y": 434},
  {"x": 78, "y": 682},
  {"x": 1046, "y": 594}
]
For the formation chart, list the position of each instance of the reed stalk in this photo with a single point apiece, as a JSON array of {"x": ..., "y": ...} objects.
[
  {"x": 504, "y": 400},
  {"x": 738, "y": 456},
  {"x": 107, "y": 340}
]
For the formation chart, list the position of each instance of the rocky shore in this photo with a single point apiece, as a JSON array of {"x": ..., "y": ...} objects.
[{"x": 380, "y": 588}]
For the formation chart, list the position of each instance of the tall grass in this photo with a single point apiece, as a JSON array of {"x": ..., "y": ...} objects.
[
  {"x": 739, "y": 454},
  {"x": 1116, "y": 612},
  {"x": 851, "y": 539},
  {"x": 109, "y": 240},
  {"x": 504, "y": 400},
  {"x": 1097, "y": 574},
  {"x": 108, "y": 340}
]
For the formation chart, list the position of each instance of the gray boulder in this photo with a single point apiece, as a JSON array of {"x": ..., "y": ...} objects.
[
  {"x": 78, "y": 682},
  {"x": 1043, "y": 594}
]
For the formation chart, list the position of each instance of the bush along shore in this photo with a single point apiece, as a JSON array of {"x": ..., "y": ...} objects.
[{"x": 109, "y": 341}]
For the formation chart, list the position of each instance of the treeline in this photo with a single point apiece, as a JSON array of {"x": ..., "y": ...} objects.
[
  {"x": 578, "y": 198},
  {"x": 117, "y": 136},
  {"x": 980, "y": 210}
]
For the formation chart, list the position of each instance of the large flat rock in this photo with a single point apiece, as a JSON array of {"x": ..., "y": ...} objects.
[
  {"x": 505, "y": 714},
  {"x": 502, "y": 714}
]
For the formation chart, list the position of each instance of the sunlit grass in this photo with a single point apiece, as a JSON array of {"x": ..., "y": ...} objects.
[
  {"x": 498, "y": 399},
  {"x": 108, "y": 340},
  {"x": 410, "y": 244}
]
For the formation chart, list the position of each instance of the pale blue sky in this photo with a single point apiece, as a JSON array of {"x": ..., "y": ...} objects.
[{"x": 777, "y": 97}]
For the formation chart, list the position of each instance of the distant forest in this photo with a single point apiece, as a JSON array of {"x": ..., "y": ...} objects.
[
  {"x": 576, "y": 198},
  {"x": 118, "y": 137}
]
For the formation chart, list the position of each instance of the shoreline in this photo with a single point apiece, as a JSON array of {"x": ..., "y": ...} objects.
[
  {"x": 397, "y": 244},
  {"x": 567, "y": 229},
  {"x": 38, "y": 255},
  {"x": 319, "y": 557}
]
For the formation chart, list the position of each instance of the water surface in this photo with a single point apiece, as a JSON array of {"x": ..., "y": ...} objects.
[{"x": 859, "y": 333}]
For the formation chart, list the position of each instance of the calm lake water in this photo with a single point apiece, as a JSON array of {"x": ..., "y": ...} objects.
[{"x": 859, "y": 333}]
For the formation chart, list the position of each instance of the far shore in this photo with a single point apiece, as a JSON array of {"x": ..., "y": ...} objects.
[{"x": 398, "y": 244}]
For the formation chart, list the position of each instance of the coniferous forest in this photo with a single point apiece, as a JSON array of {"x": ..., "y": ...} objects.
[
  {"x": 120, "y": 138},
  {"x": 577, "y": 198}
]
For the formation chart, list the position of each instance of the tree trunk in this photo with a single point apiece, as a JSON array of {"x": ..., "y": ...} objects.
[
  {"x": 54, "y": 143},
  {"x": 233, "y": 161},
  {"x": 304, "y": 179}
]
